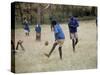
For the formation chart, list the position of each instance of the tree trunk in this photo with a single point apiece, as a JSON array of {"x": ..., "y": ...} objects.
[
  {"x": 21, "y": 14},
  {"x": 38, "y": 14}
]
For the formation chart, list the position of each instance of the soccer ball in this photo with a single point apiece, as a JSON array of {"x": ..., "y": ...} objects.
[{"x": 46, "y": 43}]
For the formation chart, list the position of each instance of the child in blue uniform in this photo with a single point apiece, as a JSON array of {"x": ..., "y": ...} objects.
[
  {"x": 52, "y": 18},
  {"x": 73, "y": 24},
  {"x": 26, "y": 27},
  {"x": 38, "y": 32},
  {"x": 59, "y": 38}
]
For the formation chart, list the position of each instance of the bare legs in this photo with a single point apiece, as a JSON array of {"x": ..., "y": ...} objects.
[
  {"x": 19, "y": 43},
  {"x": 52, "y": 49},
  {"x": 38, "y": 36},
  {"x": 27, "y": 33},
  {"x": 59, "y": 49},
  {"x": 74, "y": 43},
  {"x": 60, "y": 52}
]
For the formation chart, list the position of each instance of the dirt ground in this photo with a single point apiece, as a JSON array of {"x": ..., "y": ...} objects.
[{"x": 34, "y": 60}]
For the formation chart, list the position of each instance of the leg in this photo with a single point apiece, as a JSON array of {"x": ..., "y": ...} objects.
[
  {"x": 60, "y": 52},
  {"x": 22, "y": 46},
  {"x": 20, "y": 43},
  {"x": 76, "y": 41},
  {"x": 73, "y": 41},
  {"x": 76, "y": 36},
  {"x": 54, "y": 45},
  {"x": 27, "y": 33},
  {"x": 60, "y": 47},
  {"x": 73, "y": 45},
  {"x": 37, "y": 36},
  {"x": 40, "y": 37}
]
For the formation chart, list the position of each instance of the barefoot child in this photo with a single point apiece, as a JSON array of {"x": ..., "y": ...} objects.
[
  {"x": 73, "y": 24},
  {"x": 59, "y": 38},
  {"x": 19, "y": 43},
  {"x": 38, "y": 32},
  {"x": 26, "y": 27}
]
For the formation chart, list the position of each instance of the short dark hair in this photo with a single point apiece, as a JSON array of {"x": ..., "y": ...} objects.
[{"x": 54, "y": 22}]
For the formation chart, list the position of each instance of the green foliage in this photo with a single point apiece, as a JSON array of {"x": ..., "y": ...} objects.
[{"x": 36, "y": 12}]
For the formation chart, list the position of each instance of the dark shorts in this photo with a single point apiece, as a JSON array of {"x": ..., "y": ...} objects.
[{"x": 72, "y": 30}]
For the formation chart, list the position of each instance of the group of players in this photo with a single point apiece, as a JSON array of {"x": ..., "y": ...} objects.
[{"x": 58, "y": 33}]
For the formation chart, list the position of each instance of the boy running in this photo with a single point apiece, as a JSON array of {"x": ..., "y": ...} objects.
[
  {"x": 73, "y": 24},
  {"x": 59, "y": 38}
]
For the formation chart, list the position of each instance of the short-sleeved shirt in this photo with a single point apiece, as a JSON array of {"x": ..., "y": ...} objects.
[
  {"x": 38, "y": 29},
  {"x": 26, "y": 26},
  {"x": 58, "y": 32},
  {"x": 73, "y": 24}
]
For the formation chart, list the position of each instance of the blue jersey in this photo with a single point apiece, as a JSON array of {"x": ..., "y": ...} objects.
[
  {"x": 73, "y": 24},
  {"x": 38, "y": 28},
  {"x": 58, "y": 32},
  {"x": 26, "y": 26}
]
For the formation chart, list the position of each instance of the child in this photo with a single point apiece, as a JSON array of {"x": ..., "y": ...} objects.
[
  {"x": 38, "y": 32},
  {"x": 59, "y": 38},
  {"x": 52, "y": 18},
  {"x": 73, "y": 24},
  {"x": 26, "y": 27},
  {"x": 19, "y": 43}
]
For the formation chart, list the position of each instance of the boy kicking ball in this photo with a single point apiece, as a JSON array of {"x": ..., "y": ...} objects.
[
  {"x": 73, "y": 24},
  {"x": 59, "y": 39}
]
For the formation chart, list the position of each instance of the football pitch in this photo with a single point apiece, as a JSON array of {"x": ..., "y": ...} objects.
[{"x": 32, "y": 59}]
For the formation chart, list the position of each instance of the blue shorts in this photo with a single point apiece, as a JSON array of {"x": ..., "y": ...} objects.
[{"x": 59, "y": 38}]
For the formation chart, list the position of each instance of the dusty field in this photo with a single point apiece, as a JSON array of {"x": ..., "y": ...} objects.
[{"x": 33, "y": 59}]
